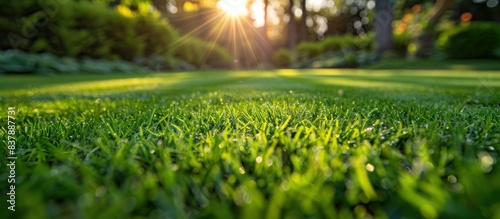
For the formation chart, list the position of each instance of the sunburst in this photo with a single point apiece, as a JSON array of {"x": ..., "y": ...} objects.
[
  {"x": 233, "y": 8},
  {"x": 232, "y": 29}
]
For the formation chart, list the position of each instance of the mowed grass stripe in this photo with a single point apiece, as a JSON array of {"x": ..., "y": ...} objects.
[{"x": 246, "y": 144}]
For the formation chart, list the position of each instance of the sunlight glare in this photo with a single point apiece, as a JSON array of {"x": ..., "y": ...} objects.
[{"x": 233, "y": 8}]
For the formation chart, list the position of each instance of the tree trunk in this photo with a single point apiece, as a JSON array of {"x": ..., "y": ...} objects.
[
  {"x": 383, "y": 26},
  {"x": 292, "y": 27},
  {"x": 266, "y": 6},
  {"x": 426, "y": 38},
  {"x": 304, "y": 33}
]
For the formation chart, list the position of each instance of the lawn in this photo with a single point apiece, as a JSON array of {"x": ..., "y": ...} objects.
[{"x": 255, "y": 144}]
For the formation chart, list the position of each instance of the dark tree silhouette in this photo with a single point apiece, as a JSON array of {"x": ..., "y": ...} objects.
[
  {"x": 292, "y": 26},
  {"x": 303, "y": 26},
  {"x": 383, "y": 26}
]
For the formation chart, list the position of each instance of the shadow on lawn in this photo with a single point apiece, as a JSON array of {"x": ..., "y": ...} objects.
[{"x": 403, "y": 80}]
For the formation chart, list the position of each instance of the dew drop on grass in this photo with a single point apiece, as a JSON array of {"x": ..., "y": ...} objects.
[
  {"x": 327, "y": 172},
  {"x": 174, "y": 167},
  {"x": 385, "y": 183},
  {"x": 247, "y": 198},
  {"x": 152, "y": 151},
  {"x": 349, "y": 184},
  {"x": 452, "y": 179},
  {"x": 369, "y": 167},
  {"x": 269, "y": 162},
  {"x": 258, "y": 159}
]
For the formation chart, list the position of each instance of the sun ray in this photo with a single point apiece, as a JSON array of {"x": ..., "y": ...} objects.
[
  {"x": 267, "y": 43},
  {"x": 186, "y": 36},
  {"x": 259, "y": 38},
  {"x": 216, "y": 39},
  {"x": 236, "y": 33},
  {"x": 186, "y": 16},
  {"x": 240, "y": 27},
  {"x": 235, "y": 50},
  {"x": 218, "y": 30}
]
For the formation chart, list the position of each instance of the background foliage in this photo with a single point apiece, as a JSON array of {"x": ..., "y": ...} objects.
[
  {"x": 476, "y": 40},
  {"x": 85, "y": 30}
]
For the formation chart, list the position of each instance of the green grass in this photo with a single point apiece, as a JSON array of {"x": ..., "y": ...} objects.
[
  {"x": 270, "y": 144},
  {"x": 478, "y": 65}
]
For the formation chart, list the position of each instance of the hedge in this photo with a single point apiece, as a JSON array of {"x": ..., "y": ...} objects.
[{"x": 475, "y": 40}]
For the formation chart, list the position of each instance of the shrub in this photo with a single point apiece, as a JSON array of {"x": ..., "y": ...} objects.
[
  {"x": 76, "y": 30},
  {"x": 166, "y": 62},
  {"x": 476, "y": 40},
  {"x": 156, "y": 33},
  {"x": 218, "y": 57},
  {"x": 201, "y": 54},
  {"x": 337, "y": 43},
  {"x": 124, "y": 41},
  {"x": 14, "y": 61},
  {"x": 345, "y": 58},
  {"x": 20, "y": 62},
  {"x": 307, "y": 50},
  {"x": 11, "y": 23},
  {"x": 282, "y": 58},
  {"x": 332, "y": 43},
  {"x": 84, "y": 30},
  {"x": 364, "y": 42}
]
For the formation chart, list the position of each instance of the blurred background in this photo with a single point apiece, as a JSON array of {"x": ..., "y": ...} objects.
[{"x": 113, "y": 36}]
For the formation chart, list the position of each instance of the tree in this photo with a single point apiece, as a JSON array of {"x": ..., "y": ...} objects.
[
  {"x": 383, "y": 26},
  {"x": 303, "y": 26},
  {"x": 426, "y": 38},
  {"x": 292, "y": 26},
  {"x": 297, "y": 29}
]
